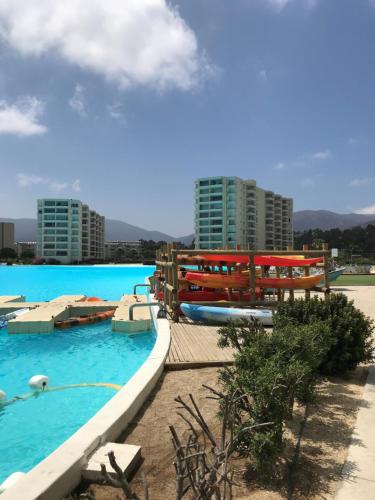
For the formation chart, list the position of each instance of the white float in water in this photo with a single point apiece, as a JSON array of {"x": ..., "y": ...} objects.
[
  {"x": 11, "y": 480},
  {"x": 2, "y": 395},
  {"x": 38, "y": 382}
]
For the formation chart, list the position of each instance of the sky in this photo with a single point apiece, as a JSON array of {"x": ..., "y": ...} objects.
[{"x": 124, "y": 103}]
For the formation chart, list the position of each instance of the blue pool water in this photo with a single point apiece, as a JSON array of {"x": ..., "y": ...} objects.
[
  {"x": 47, "y": 282},
  {"x": 31, "y": 429}
]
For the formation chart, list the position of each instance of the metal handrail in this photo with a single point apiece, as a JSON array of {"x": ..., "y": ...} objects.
[
  {"x": 140, "y": 284},
  {"x": 144, "y": 304}
]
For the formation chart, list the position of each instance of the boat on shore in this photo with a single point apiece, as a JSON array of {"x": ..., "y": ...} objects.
[{"x": 214, "y": 314}]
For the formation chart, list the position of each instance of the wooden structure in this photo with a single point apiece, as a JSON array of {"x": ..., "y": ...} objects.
[
  {"x": 167, "y": 274},
  {"x": 195, "y": 346}
]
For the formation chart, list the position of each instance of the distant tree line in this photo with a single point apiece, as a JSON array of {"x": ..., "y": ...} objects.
[{"x": 355, "y": 242}]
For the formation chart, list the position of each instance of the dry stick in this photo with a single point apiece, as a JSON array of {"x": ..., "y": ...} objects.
[
  {"x": 297, "y": 450},
  {"x": 121, "y": 481}
]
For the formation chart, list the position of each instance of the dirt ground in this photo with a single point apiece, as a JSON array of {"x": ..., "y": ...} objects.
[{"x": 323, "y": 447}]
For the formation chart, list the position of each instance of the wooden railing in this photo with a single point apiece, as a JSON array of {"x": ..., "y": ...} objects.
[{"x": 167, "y": 274}]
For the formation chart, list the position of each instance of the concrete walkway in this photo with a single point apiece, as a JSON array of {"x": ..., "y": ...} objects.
[{"x": 359, "y": 470}]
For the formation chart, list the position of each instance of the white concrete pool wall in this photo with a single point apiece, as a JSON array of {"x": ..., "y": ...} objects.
[{"x": 60, "y": 472}]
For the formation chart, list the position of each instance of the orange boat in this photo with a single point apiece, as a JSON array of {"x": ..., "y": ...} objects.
[
  {"x": 259, "y": 260},
  {"x": 240, "y": 281},
  {"x": 85, "y": 320}
]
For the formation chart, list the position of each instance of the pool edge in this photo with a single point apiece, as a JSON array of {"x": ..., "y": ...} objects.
[{"x": 60, "y": 472}]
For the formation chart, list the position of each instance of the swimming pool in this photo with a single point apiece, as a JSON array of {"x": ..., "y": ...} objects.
[
  {"x": 31, "y": 429},
  {"x": 40, "y": 283}
]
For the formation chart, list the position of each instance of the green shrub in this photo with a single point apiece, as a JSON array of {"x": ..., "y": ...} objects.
[
  {"x": 272, "y": 368},
  {"x": 350, "y": 329}
]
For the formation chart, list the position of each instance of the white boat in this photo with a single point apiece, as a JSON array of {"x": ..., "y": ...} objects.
[
  {"x": 12, "y": 315},
  {"x": 215, "y": 314}
]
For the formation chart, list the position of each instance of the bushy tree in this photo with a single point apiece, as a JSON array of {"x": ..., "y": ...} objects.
[
  {"x": 349, "y": 328},
  {"x": 273, "y": 369}
]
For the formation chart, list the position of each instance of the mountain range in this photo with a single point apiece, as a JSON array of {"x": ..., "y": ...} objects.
[
  {"x": 324, "y": 219},
  {"x": 26, "y": 229}
]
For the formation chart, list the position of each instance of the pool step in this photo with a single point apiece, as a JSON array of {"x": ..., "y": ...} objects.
[
  {"x": 127, "y": 456},
  {"x": 142, "y": 317},
  {"x": 39, "y": 320}
]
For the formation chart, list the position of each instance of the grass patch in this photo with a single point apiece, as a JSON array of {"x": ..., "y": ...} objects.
[{"x": 355, "y": 279}]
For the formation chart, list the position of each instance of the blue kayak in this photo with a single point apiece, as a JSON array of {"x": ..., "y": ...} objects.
[{"x": 212, "y": 314}]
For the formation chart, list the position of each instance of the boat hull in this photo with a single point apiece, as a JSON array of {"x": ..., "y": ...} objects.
[
  {"x": 211, "y": 314},
  {"x": 241, "y": 281}
]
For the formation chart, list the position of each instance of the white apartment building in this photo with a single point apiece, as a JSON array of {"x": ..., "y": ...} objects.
[
  {"x": 230, "y": 211},
  {"x": 69, "y": 231}
]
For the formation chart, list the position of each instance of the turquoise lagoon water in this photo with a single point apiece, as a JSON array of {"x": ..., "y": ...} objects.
[
  {"x": 47, "y": 282},
  {"x": 30, "y": 430}
]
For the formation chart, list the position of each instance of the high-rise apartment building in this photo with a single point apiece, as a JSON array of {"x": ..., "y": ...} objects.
[
  {"x": 230, "y": 211},
  {"x": 69, "y": 231},
  {"x": 6, "y": 235}
]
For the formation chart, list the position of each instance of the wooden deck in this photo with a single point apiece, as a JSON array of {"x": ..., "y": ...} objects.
[{"x": 195, "y": 345}]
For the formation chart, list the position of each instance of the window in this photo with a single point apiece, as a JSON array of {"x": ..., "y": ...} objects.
[
  {"x": 49, "y": 238},
  {"x": 216, "y": 205},
  {"x": 49, "y": 224},
  {"x": 203, "y": 183},
  {"x": 204, "y": 230},
  {"x": 204, "y": 191},
  {"x": 216, "y": 198},
  {"x": 61, "y": 231},
  {"x": 61, "y": 224},
  {"x": 49, "y": 231},
  {"x": 217, "y": 222},
  {"x": 216, "y": 230},
  {"x": 48, "y": 211},
  {"x": 203, "y": 199},
  {"x": 216, "y": 182},
  {"x": 49, "y": 203},
  {"x": 216, "y": 190},
  {"x": 62, "y": 203},
  {"x": 204, "y": 214},
  {"x": 61, "y": 253},
  {"x": 49, "y": 246},
  {"x": 61, "y": 238},
  {"x": 61, "y": 210},
  {"x": 61, "y": 217},
  {"x": 204, "y": 223},
  {"x": 216, "y": 214}
]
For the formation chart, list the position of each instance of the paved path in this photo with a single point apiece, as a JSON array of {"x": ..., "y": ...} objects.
[{"x": 359, "y": 469}]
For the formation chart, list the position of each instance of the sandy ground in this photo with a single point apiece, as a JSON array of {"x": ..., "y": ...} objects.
[
  {"x": 323, "y": 452},
  {"x": 323, "y": 448}
]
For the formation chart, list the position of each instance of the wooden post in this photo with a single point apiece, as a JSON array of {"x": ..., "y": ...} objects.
[
  {"x": 280, "y": 295},
  {"x": 175, "y": 302},
  {"x": 170, "y": 279},
  {"x": 305, "y": 248},
  {"x": 252, "y": 278},
  {"x": 326, "y": 273},
  {"x": 290, "y": 274}
]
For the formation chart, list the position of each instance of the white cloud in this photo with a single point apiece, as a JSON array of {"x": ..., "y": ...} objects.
[
  {"x": 366, "y": 210},
  {"x": 279, "y": 5},
  {"x": 322, "y": 155},
  {"x": 25, "y": 180},
  {"x": 308, "y": 182},
  {"x": 115, "y": 111},
  {"x": 360, "y": 182},
  {"x": 22, "y": 118},
  {"x": 28, "y": 180},
  {"x": 76, "y": 186},
  {"x": 130, "y": 42},
  {"x": 262, "y": 76},
  {"x": 279, "y": 166},
  {"x": 78, "y": 101}
]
